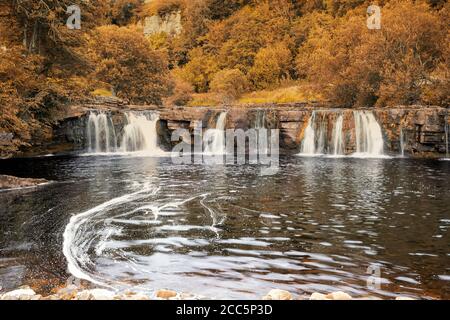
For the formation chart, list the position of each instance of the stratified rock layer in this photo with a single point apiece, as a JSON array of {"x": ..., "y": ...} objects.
[{"x": 422, "y": 129}]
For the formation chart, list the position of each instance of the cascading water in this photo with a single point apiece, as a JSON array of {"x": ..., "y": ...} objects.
[
  {"x": 315, "y": 142},
  {"x": 308, "y": 146},
  {"x": 140, "y": 133},
  {"x": 338, "y": 136},
  {"x": 369, "y": 138},
  {"x": 260, "y": 122},
  {"x": 447, "y": 156},
  {"x": 101, "y": 135},
  {"x": 260, "y": 127},
  {"x": 402, "y": 143},
  {"x": 215, "y": 138}
]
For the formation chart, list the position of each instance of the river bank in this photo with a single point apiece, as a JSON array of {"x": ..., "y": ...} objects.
[
  {"x": 72, "y": 293},
  {"x": 11, "y": 182}
]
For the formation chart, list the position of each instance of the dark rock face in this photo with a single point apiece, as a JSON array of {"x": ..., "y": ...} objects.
[
  {"x": 421, "y": 128},
  {"x": 10, "y": 182}
]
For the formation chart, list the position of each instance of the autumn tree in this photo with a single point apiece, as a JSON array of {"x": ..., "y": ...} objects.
[
  {"x": 394, "y": 65},
  {"x": 229, "y": 84},
  {"x": 123, "y": 58},
  {"x": 272, "y": 64}
]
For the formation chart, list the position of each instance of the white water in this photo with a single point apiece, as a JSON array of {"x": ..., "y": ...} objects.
[
  {"x": 260, "y": 119},
  {"x": 75, "y": 248},
  {"x": 369, "y": 138},
  {"x": 101, "y": 134},
  {"x": 402, "y": 143},
  {"x": 215, "y": 138},
  {"x": 84, "y": 243},
  {"x": 260, "y": 127},
  {"x": 446, "y": 139},
  {"x": 315, "y": 141},
  {"x": 140, "y": 134},
  {"x": 308, "y": 147},
  {"x": 338, "y": 137}
]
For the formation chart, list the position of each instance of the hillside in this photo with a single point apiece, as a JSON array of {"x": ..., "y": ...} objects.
[{"x": 194, "y": 52}]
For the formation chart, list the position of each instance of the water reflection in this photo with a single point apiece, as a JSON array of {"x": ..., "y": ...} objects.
[{"x": 227, "y": 232}]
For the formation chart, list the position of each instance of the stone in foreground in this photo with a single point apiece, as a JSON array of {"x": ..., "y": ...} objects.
[
  {"x": 277, "y": 294},
  {"x": 166, "y": 294}
]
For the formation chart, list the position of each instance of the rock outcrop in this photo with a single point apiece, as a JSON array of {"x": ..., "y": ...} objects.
[
  {"x": 169, "y": 23},
  {"x": 10, "y": 182},
  {"x": 421, "y": 130}
]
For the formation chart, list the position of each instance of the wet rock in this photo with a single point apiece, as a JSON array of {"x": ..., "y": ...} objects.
[
  {"x": 339, "y": 295},
  {"x": 187, "y": 296},
  {"x": 84, "y": 295},
  {"x": 24, "y": 293},
  {"x": 166, "y": 294},
  {"x": 68, "y": 293},
  {"x": 318, "y": 296},
  {"x": 10, "y": 182},
  {"x": 133, "y": 297},
  {"x": 277, "y": 294},
  {"x": 101, "y": 294}
]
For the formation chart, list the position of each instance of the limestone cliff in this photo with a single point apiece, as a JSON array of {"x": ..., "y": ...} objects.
[{"x": 422, "y": 129}]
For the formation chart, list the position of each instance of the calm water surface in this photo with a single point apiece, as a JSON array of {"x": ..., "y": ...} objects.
[{"x": 226, "y": 232}]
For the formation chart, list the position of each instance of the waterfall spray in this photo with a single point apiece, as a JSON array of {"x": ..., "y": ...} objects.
[
  {"x": 308, "y": 146},
  {"x": 338, "y": 136},
  {"x": 101, "y": 134},
  {"x": 402, "y": 143},
  {"x": 140, "y": 134},
  {"x": 446, "y": 136},
  {"x": 369, "y": 138},
  {"x": 215, "y": 138}
]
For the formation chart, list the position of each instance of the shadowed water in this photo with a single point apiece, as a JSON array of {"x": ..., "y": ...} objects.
[{"x": 224, "y": 231}]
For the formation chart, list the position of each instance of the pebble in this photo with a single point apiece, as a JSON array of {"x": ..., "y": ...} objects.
[
  {"x": 72, "y": 293},
  {"x": 339, "y": 295},
  {"x": 318, "y": 296},
  {"x": 404, "y": 298},
  {"x": 165, "y": 294},
  {"x": 23, "y": 293},
  {"x": 277, "y": 294}
]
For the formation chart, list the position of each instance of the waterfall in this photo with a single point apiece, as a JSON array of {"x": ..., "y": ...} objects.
[
  {"x": 260, "y": 127},
  {"x": 402, "y": 143},
  {"x": 338, "y": 136},
  {"x": 260, "y": 122},
  {"x": 101, "y": 135},
  {"x": 215, "y": 138},
  {"x": 140, "y": 133},
  {"x": 369, "y": 138},
  {"x": 308, "y": 146},
  {"x": 446, "y": 137},
  {"x": 315, "y": 141}
]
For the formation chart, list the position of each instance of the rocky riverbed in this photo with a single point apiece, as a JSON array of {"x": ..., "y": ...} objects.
[{"x": 73, "y": 293}]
